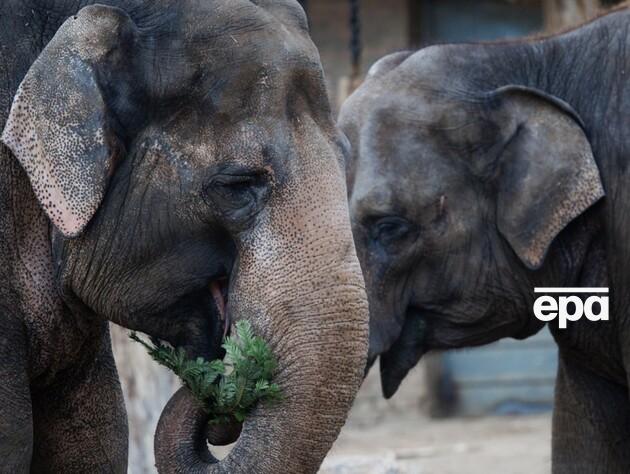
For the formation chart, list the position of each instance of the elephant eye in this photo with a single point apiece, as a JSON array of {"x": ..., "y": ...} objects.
[
  {"x": 388, "y": 231},
  {"x": 237, "y": 196}
]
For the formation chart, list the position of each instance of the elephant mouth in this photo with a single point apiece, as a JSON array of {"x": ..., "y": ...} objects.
[
  {"x": 198, "y": 321},
  {"x": 222, "y": 435},
  {"x": 219, "y": 290},
  {"x": 215, "y": 301}
]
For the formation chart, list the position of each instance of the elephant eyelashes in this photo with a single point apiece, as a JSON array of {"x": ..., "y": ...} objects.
[
  {"x": 388, "y": 231},
  {"x": 237, "y": 197}
]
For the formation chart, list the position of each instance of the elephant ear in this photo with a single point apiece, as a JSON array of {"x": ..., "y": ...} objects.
[
  {"x": 59, "y": 127},
  {"x": 547, "y": 173}
]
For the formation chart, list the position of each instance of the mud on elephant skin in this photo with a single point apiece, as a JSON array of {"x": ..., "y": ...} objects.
[
  {"x": 171, "y": 166},
  {"x": 481, "y": 171}
]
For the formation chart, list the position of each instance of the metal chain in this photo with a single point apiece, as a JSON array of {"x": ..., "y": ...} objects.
[{"x": 355, "y": 38}]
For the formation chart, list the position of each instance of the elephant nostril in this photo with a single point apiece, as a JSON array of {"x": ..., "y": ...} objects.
[{"x": 219, "y": 291}]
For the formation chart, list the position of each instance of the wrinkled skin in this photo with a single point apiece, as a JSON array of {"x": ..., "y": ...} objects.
[
  {"x": 173, "y": 167},
  {"x": 481, "y": 171}
]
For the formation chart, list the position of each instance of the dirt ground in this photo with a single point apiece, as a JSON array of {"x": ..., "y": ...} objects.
[
  {"x": 395, "y": 437},
  {"x": 414, "y": 445}
]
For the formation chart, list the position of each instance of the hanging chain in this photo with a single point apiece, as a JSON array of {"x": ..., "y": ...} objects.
[{"x": 355, "y": 39}]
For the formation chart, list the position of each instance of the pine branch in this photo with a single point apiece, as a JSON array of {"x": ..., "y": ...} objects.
[{"x": 228, "y": 389}]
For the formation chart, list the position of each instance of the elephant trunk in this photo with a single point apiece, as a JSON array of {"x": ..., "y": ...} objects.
[
  {"x": 179, "y": 439},
  {"x": 298, "y": 282},
  {"x": 304, "y": 294},
  {"x": 321, "y": 367}
]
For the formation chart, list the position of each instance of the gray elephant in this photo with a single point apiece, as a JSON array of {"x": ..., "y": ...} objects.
[
  {"x": 172, "y": 167},
  {"x": 482, "y": 171}
]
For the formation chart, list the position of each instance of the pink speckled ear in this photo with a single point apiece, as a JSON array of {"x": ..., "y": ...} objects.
[
  {"x": 547, "y": 174},
  {"x": 58, "y": 125}
]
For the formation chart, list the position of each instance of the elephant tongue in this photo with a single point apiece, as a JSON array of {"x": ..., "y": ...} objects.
[{"x": 218, "y": 288}]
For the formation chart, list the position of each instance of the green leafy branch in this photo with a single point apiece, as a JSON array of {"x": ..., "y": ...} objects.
[{"x": 229, "y": 388}]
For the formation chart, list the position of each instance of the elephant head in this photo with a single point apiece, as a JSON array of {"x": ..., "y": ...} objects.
[
  {"x": 459, "y": 191},
  {"x": 187, "y": 159}
]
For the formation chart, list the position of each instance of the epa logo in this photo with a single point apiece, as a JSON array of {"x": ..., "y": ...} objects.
[{"x": 571, "y": 307}]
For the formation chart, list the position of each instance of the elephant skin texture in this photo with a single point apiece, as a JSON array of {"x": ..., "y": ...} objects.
[
  {"x": 481, "y": 171},
  {"x": 172, "y": 167}
]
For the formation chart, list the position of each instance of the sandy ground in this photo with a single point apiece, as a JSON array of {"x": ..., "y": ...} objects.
[
  {"x": 414, "y": 445},
  {"x": 396, "y": 437}
]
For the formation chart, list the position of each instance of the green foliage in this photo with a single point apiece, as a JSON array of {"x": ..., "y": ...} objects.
[{"x": 229, "y": 388}]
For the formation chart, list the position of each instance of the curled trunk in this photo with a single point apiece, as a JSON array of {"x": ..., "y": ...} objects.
[
  {"x": 290, "y": 437},
  {"x": 299, "y": 283}
]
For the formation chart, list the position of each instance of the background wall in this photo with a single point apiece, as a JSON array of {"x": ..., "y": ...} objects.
[
  {"x": 384, "y": 26},
  {"x": 395, "y": 25}
]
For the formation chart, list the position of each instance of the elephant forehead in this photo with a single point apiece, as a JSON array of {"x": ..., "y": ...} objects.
[
  {"x": 233, "y": 15},
  {"x": 403, "y": 162},
  {"x": 191, "y": 150},
  {"x": 393, "y": 143},
  {"x": 228, "y": 55},
  {"x": 225, "y": 37},
  {"x": 191, "y": 145}
]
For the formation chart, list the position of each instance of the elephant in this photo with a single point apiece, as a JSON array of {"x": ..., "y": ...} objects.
[
  {"x": 482, "y": 171},
  {"x": 172, "y": 167}
]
